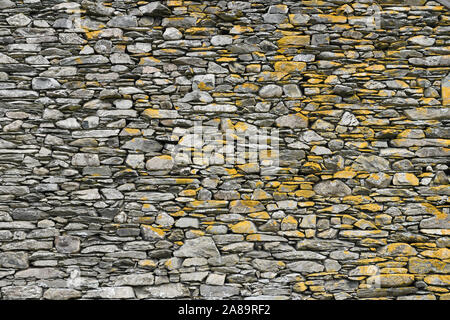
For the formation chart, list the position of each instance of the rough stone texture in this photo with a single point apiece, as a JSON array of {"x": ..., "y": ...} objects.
[{"x": 101, "y": 100}]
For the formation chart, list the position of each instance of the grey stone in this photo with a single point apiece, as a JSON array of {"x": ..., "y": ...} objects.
[
  {"x": 199, "y": 247},
  {"x": 67, "y": 244},
  {"x": 150, "y": 196},
  {"x": 172, "y": 33},
  {"x": 142, "y": 279},
  {"x": 6, "y": 4},
  {"x": 155, "y": 9},
  {"x": 15, "y": 190},
  {"x": 182, "y": 22},
  {"x": 433, "y": 61},
  {"x": 18, "y": 20},
  {"x": 110, "y": 293},
  {"x": 85, "y": 159},
  {"x": 193, "y": 276},
  {"x": 21, "y": 292},
  {"x": 61, "y": 294},
  {"x": 142, "y": 145},
  {"x": 225, "y": 291},
  {"x": 270, "y": 91},
  {"x": 348, "y": 119},
  {"x": 69, "y": 123},
  {"x": 16, "y": 260},
  {"x": 292, "y": 121},
  {"x": 332, "y": 188},
  {"x": 123, "y": 22},
  {"x": 371, "y": 164},
  {"x": 186, "y": 222},
  {"x": 164, "y": 291},
  {"x": 305, "y": 266}
]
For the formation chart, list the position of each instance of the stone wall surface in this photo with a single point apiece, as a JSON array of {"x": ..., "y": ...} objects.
[{"x": 129, "y": 168}]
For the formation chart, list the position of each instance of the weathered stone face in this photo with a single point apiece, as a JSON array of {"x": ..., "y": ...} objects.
[
  {"x": 224, "y": 149},
  {"x": 67, "y": 244}
]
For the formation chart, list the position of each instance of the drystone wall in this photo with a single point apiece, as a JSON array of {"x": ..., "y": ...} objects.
[{"x": 224, "y": 149}]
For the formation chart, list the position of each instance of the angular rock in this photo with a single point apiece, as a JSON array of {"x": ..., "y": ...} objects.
[
  {"x": 164, "y": 291},
  {"x": 199, "y": 247},
  {"x": 332, "y": 188}
]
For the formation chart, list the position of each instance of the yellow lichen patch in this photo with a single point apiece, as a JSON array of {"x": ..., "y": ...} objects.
[
  {"x": 358, "y": 144},
  {"x": 268, "y": 155},
  {"x": 398, "y": 249},
  {"x": 231, "y": 171},
  {"x": 208, "y": 203},
  {"x": 174, "y": 3},
  {"x": 294, "y": 41},
  {"x": 289, "y": 222},
  {"x": 247, "y": 87},
  {"x": 289, "y": 66},
  {"x": 240, "y": 126},
  {"x": 249, "y": 167},
  {"x": 370, "y": 261},
  {"x": 243, "y": 227},
  {"x": 364, "y": 224},
  {"x": 365, "y": 271},
  {"x": 287, "y": 188},
  {"x": 412, "y": 179},
  {"x": 200, "y": 31}
]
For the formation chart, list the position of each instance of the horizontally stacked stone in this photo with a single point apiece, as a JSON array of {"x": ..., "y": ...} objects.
[{"x": 95, "y": 98}]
